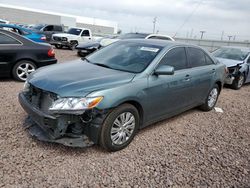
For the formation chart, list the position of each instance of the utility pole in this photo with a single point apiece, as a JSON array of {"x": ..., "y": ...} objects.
[
  {"x": 222, "y": 35},
  {"x": 191, "y": 34},
  {"x": 229, "y": 37},
  {"x": 154, "y": 22},
  {"x": 202, "y": 33},
  {"x": 234, "y": 37}
]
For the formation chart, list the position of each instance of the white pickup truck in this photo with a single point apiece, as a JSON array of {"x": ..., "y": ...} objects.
[{"x": 71, "y": 38}]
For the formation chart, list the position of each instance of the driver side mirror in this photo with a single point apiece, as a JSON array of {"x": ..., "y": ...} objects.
[{"x": 164, "y": 70}]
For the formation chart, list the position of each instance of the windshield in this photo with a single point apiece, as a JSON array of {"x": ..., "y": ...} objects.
[
  {"x": 38, "y": 27},
  {"x": 74, "y": 31},
  {"x": 133, "y": 36},
  {"x": 126, "y": 56},
  {"x": 231, "y": 53}
]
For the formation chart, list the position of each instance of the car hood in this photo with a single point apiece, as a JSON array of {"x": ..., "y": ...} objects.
[
  {"x": 93, "y": 44},
  {"x": 106, "y": 42},
  {"x": 77, "y": 79},
  {"x": 229, "y": 62},
  {"x": 64, "y": 35}
]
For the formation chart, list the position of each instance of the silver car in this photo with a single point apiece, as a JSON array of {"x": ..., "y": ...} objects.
[{"x": 237, "y": 60}]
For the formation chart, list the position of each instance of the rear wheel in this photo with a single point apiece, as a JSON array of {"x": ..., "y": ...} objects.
[
  {"x": 22, "y": 69},
  {"x": 211, "y": 99},
  {"x": 119, "y": 128},
  {"x": 238, "y": 82}
]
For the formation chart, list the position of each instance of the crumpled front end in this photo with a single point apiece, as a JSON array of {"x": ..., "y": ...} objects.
[
  {"x": 67, "y": 129},
  {"x": 233, "y": 73}
]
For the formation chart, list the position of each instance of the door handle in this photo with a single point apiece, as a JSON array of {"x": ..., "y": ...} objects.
[
  {"x": 187, "y": 78},
  {"x": 213, "y": 71}
]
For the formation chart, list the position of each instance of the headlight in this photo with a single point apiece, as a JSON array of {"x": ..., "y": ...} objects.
[
  {"x": 74, "y": 105},
  {"x": 64, "y": 39},
  {"x": 26, "y": 86}
]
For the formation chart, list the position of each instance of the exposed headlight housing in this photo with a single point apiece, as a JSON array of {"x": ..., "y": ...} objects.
[
  {"x": 26, "y": 86},
  {"x": 74, "y": 105}
]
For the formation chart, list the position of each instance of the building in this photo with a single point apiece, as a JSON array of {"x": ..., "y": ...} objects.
[{"x": 23, "y": 15}]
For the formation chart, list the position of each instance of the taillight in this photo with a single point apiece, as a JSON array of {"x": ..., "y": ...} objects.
[
  {"x": 51, "y": 52},
  {"x": 43, "y": 38}
]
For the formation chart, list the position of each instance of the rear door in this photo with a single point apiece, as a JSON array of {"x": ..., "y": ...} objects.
[
  {"x": 8, "y": 50},
  {"x": 202, "y": 69}
]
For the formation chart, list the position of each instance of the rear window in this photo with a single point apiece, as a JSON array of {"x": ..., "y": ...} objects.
[{"x": 4, "y": 39}]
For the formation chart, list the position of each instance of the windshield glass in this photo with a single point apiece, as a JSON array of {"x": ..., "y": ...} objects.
[
  {"x": 74, "y": 31},
  {"x": 126, "y": 56},
  {"x": 231, "y": 53},
  {"x": 38, "y": 27},
  {"x": 133, "y": 36}
]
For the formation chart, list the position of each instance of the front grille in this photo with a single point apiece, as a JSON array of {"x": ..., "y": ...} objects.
[{"x": 40, "y": 99}]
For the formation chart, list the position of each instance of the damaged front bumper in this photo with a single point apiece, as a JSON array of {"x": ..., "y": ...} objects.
[{"x": 69, "y": 130}]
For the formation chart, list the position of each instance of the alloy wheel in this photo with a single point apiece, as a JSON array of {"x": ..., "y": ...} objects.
[
  {"x": 122, "y": 128},
  {"x": 23, "y": 70},
  {"x": 212, "y": 98}
]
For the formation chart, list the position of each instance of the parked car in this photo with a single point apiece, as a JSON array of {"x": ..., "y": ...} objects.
[
  {"x": 20, "y": 56},
  {"x": 72, "y": 38},
  {"x": 4, "y": 21},
  {"x": 237, "y": 60},
  {"x": 24, "y": 32},
  {"x": 86, "y": 48},
  {"x": 47, "y": 30},
  {"x": 118, "y": 90}
]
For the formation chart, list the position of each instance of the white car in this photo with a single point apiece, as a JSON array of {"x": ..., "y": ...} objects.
[
  {"x": 4, "y": 21},
  {"x": 107, "y": 41},
  {"x": 71, "y": 38}
]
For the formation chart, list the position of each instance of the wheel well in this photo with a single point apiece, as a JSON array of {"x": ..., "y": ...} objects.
[
  {"x": 138, "y": 107},
  {"x": 219, "y": 85}
]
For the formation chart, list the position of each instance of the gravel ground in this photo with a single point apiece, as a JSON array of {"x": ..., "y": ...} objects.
[{"x": 194, "y": 149}]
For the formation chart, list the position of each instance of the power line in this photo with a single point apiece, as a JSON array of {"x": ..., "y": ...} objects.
[{"x": 188, "y": 17}]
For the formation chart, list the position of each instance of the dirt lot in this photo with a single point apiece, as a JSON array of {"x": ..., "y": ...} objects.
[{"x": 195, "y": 149}]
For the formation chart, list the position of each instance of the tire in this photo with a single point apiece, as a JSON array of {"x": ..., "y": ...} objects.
[
  {"x": 73, "y": 45},
  {"x": 107, "y": 139},
  {"x": 22, "y": 69},
  {"x": 59, "y": 46},
  {"x": 210, "y": 103},
  {"x": 238, "y": 82}
]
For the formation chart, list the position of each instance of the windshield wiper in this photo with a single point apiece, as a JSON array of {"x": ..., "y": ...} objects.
[
  {"x": 86, "y": 59},
  {"x": 103, "y": 65}
]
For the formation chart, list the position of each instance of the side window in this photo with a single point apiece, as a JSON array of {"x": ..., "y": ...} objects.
[
  {"x": 85, "y": 33},
  {"x": 196, "y": 57},
  {"x": 209, "y": 61},
  {"x": 176, "y": 58},
  {"x": 57, "y": 28},
  {"x": 4, "y": 39},
  {"x": 48, "y": 28},
  {"x": 248, "y": 61}
]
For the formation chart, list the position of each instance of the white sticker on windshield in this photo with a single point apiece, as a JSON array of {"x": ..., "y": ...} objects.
[{"x": 150, "y": 49}]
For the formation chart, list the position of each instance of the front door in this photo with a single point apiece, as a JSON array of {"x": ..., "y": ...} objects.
[{"x": 170, "y": 94}]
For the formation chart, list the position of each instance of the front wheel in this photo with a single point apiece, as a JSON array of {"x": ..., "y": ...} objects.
[
  {"x": 119, "y": 128},
  {"x": 238, "y": 82},
  {"x": 58, "y": 46},
  {"x": 211, "y": 99}
]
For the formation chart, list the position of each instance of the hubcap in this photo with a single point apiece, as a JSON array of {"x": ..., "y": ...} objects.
[
  {"x": 240, "y": 81},
  {"x": 24, "y": 69},
  {"x": 123, "y": 127},
  {"x": 212, "y": 98}
]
